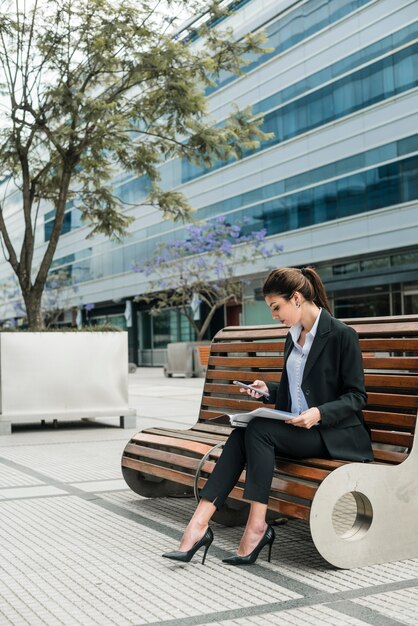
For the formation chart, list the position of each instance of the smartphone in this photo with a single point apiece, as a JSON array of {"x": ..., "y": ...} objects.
[{"x": 262, "y": 393}]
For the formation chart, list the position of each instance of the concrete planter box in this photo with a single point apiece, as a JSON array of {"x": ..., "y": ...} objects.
[
  {"x": 183, "y": 358},
  {"x": 63, "y": 376}
]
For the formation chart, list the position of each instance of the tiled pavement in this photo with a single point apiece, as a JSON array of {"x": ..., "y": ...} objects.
[{"x": 79, "y": 548}]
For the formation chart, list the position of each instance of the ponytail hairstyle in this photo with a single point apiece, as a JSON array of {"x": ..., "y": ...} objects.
[{"x": 286, "y": 280}]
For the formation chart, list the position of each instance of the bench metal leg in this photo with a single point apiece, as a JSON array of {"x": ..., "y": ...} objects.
[
  {"x": 384, "y": 528},
  {"x": 5, "y": 428},
  {"x": 127, "y": 421}
]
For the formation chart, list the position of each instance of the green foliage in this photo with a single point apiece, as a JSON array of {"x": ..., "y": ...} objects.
[{"x": 97, "y": 86}]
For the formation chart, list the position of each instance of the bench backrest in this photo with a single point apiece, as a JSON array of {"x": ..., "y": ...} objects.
[{"x": 390, "y": 358}]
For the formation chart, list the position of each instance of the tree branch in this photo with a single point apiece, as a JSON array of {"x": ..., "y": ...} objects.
[{"x": 7, "y": 242}]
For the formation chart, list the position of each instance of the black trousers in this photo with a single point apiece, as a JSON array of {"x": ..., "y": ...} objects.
[{"x": 256, "y": 447}]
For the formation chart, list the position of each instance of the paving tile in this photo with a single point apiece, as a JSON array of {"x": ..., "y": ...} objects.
[
  {"x": 401, "y": 605},
  {"x": 71, "y": 462},
  {"x": 101, "y": 485},
  {"x": 78, "y": 559},
  {"x": 10, "y": 477},
  {"x": 294, "y": 554},
  {"x": 69, "y": 554},
  {"x": 316, "y": 615},
  {"x": 30, "y": 492}
]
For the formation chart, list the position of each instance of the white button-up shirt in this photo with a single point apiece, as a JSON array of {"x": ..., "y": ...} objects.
[{"x": 295, "y": 365}]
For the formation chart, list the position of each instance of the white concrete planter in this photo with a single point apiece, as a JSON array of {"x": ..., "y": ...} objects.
[{"x": 63, "y": 376}]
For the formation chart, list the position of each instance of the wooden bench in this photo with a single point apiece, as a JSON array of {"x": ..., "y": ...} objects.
[{"x": 160, "y": 461}]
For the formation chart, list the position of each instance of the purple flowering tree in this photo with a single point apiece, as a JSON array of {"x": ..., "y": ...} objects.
[{"x": 201, "y": 268}]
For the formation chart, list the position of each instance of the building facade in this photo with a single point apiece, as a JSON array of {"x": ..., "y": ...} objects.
[{"x": 336, "y": 185}]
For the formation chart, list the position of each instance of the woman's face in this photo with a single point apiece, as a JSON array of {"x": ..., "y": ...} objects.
[{"x": 284, "y": 310}]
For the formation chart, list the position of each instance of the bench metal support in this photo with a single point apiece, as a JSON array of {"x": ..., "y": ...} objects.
[
  {"x": 387, "y": 510},
  {"x": 199, "y": 468},
  {"x": 5, "y": 428}
]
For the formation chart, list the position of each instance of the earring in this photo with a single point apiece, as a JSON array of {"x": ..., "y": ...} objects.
[{"x": 297, "y": 304}]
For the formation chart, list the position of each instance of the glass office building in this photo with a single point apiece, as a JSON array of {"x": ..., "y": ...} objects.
[{"x": 336, "y": 185}]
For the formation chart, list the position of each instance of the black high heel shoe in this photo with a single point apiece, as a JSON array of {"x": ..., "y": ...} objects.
[
  {"x": 266, "y": 540},
  {"x": 187, "y": 556}
]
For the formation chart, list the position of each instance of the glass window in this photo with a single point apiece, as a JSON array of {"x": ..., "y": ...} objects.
[
  {"x": 346, "y": 268},
  {"x": 295, "y": 26},
  {"x": 396, "y": 303},
  {"x": 367, "y": 302},
  {"x": 411, "y": 303},
  {"x": 304, "y": 208},
  {"x": 405, "y": 258},
  {"x": 405, "y": 70},
  {"x": 163, "y": 329},
  {"x": 49, "y": 225},
  {"x": 157, "y": 330},
  {"x": 407, "y": 145},
  {"x": 186, "y": 330},
  {"x": 408, "y": 179},
  {"x": 368, "y": 265},
  {"x": 145, "y": 330},
  {"x": 361, "y": 89},
  {"x": 351, "y": 195},
  {"x": 115, "y": 320}
]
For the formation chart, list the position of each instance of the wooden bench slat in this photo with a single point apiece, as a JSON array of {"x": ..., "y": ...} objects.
[
  {"x": 392, "y": 437},
  {"x": 223, "y": 389},
  {"x": 208, "y": 427},
  {"x": 249, "y": 346},
  {"x": 394, "y": 381},
  {"x": 230, "y": 375},
  {"x": 210, "y": 415},
  {"x": 411, "y": 317},
  {"x": 211, "y": 440},
  {"x": 371, "y": 362},
  {"x": 296, "y": 469},
  {"x": 279, "y": 485},
  {"x": 375, "y": 399},
  {"x": 159, "y": 470},
  {"x": 238, "y": 404},
  {"x": 273, "y": 332},
  {"x": 392, "y": 363},
  {"x": 172, "y": 442},
  {"x": 389, "y": 456},
  {"x": 395, "y": 326},
  {"x": 388, "y": 344},
  {"x": 399, "y": 420},
  {"x": 296, "y": 511},
  {"x": 390, "y": 400},
  {"x": 246, "y": 361},
  {"x": 382, "y": 329},
  {"x": 141, "y": 452}
]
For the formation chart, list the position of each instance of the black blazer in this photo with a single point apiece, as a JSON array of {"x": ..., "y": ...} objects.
[{"x": 333, "y": 381}]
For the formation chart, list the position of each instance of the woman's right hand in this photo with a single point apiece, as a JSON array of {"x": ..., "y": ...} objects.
[{"x": 259, "y": 384}]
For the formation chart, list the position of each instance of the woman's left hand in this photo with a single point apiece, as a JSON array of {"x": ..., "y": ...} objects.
[{"x": 307, "y": 419}]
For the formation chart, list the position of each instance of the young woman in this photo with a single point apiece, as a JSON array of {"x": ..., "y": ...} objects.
[{"x": 322, "y": 382}]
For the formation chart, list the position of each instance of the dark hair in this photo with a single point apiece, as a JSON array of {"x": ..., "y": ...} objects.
[{"x": 286, "y": 280}]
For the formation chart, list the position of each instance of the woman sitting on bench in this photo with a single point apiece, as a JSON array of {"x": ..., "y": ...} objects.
[{"x": 322, "y": 382}]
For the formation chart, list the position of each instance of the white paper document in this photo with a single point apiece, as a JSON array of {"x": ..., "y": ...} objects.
[{"x": 241, "y": 419}]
